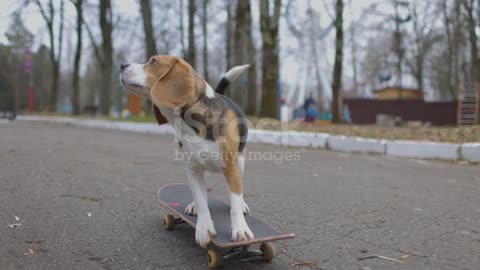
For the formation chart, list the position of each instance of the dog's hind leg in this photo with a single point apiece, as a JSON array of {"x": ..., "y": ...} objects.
[
  {"x": 241, "y": 167},
  {"x": 204, "y": 227},
  {"x": 240, "y": 229}
]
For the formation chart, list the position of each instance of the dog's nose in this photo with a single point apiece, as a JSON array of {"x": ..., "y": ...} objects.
[{"x": 123, "y": 66}]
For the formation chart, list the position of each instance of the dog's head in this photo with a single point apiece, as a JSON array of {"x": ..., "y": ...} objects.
[{"x": 168, "y": 81}]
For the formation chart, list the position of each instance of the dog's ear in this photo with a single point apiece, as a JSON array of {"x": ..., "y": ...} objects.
[
  {"x": 159, "y": 116},
  {"x": 179, "y": 85}
]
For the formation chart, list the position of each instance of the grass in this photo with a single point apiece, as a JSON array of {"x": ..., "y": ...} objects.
[{"x": 439, "y": 134}]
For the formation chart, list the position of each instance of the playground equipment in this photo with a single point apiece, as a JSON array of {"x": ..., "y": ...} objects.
[{"x": 468, "y": 104}]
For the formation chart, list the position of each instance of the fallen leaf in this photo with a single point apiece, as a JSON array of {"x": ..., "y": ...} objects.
[
  {"x": 305, "y": 264},
  {"x": 17, "y": 219},
  {"x": 29, "y": 253}
]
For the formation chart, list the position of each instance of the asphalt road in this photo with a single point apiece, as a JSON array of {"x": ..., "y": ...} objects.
[{"x": 86, "y": 199}]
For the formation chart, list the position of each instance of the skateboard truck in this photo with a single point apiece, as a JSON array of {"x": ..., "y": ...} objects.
[{"x": 216, "y": 258}]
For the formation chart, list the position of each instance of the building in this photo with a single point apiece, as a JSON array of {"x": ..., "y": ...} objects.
[{"x": 393, "y": 92}]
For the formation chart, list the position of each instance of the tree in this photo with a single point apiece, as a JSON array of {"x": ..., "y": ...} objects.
[
  {"x": 19, "y": 38},
  {"x": 424, "y": 37},
  {"x": 251, "y": 59},
  {"x": 181, "y": 28},
  {"x": 228, "y": 32},
  {"x": 78, "y": 55},
  {"x": 269, "y": 24},
  {"x": 205, "y": 39},
  {"x": 191, "y": 54},
  {"x": 6, "y": 81},
  {"x": 41, "y": 75},
  {"x": 151, "y": 46},
  {"x": 450, "y": 48},
  {"x": 104, "y": 56},
  {"x": 106, "y": 17},
  {"x": 48, "y": 16},
  {"x": 17, "y": 34},
  {"x": 337, "y": 69},
  {"x": 244, "y": 53},
  {"x": 146, "y": 11},
  {"x": 468, "y": 5}
]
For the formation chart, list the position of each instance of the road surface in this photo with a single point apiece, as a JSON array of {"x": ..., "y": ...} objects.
[{"x": 86, "y": 199}]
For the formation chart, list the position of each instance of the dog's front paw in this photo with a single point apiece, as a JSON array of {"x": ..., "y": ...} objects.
[
  {"x": 241, "y": 231},
  {"x": 191, "y": 209},
  {"x": 204, "y": 231}
]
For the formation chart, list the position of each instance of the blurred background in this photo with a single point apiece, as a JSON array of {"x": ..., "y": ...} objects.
[{"x": 388, "y": 62}]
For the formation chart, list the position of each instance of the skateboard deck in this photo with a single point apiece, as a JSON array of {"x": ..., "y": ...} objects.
[{"x": 176, "y": 196}]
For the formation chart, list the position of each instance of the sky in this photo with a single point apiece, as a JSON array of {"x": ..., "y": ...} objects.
[{"x": 129, "y": 9}]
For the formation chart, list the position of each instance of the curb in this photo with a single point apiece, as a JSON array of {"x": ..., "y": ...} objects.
[
  {"x": 356, "y": 145},
  {"x": 423, "y": 150},
  {"x": 399, "y": 148},
  {"x": 470, "y": 152}
]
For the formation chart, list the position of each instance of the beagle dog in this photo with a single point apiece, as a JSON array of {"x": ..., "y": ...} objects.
[{"x": 211, "y": 130}]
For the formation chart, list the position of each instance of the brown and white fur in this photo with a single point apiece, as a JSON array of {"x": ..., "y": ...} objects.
[{"x": 207, "y": 124}]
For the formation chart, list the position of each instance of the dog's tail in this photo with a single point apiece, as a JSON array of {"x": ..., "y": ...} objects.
[{"x": 229, "y": 77}]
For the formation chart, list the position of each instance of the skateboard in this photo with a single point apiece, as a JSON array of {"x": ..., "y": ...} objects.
[{"x": 175, "y": 197}]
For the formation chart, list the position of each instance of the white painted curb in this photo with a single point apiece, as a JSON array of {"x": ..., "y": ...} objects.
[
  {"x": 470, "y": 152},
  {"x": 356, "y": 144},
  {"x": 265, "y": 136},
  {"x": 103, "y": 124},
  {"x": 410, "y": 149},
  {"x": 423, "y": 150}
]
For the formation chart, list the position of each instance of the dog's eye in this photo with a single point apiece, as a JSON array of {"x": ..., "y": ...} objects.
[{"x": 152, "y": 62}]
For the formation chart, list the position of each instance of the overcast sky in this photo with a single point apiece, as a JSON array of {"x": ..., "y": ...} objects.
[{"x": 130, "y": 9}]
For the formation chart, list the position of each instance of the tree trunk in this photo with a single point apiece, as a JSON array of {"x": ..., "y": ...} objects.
[
  {"x": 55, "y": 51},
  {"x": 205, "y": 39},
  {"x": 182, "y": 31},
  {"x": 457, "y": 33},
  {"x": 354, "y": 60},
  {"x": 239, "y": 93},
  {"x": 78, "y": 54},
  {"x": 151, "y": 50},
  {"x": 53, "y": 98},
  {"x": 106, "y": 17},
  {"x": 270, "y": 63},
  {"x": 244, "y": 53},
  {"x": 337, "y": 69},
  {"x": 228, "y": 32},
  {"x": 191, "y": 56},
  {"x": 473, "y": 38},
  {"x": 146, "y": 10},
  {"x": 252, "y": 72},
  {"x": 447, "y": 25}
]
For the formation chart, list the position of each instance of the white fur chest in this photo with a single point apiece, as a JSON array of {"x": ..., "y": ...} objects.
[{"x": 196, "y": 151}]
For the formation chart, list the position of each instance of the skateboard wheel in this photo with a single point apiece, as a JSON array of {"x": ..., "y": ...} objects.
[
  {"x": 215, "y": 259},
  {"x": 268, "y": 251},
  {"x": 168, "y": 222}
]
